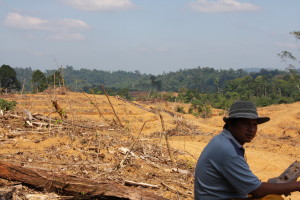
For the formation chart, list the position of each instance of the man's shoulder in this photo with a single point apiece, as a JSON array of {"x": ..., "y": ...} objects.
[
  {"x": 221, "y": 140},
  {"x": 222, "y": 145}
]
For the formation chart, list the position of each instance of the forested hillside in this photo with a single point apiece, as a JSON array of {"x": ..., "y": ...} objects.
[
  {"x": 199, "y": 86},
  {"x": 83, "y": 79},
  {"x": 207, "y": 80}
]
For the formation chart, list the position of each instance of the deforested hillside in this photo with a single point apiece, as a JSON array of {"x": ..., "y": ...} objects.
[{"x": 124, "y": 143}]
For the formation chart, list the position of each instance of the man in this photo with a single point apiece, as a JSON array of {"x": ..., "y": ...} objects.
[{"x": 222, "y": 171}]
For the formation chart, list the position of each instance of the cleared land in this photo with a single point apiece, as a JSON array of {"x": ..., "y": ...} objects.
[{"x": 91, "y": 144}]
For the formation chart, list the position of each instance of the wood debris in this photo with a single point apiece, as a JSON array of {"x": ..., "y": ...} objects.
[
  {"x": 94, "y": 159},
  {"x": 291, "y": 174},
  {"x": 145, "y": 185},
  {"x": 70, "y": 185}
]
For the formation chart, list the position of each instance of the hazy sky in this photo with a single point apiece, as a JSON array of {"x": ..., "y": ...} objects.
[{"x": 152, "y": 36}]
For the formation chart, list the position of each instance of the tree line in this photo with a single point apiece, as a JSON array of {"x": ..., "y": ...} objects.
[{"x": 264, "y": 84}]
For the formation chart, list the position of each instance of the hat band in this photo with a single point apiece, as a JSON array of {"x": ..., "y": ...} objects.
[
  {"x": 246, "y": 116},
  {"x": 244, "y": 111}
]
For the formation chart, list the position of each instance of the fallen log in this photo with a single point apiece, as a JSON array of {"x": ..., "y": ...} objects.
[{"x": 70, "y": 185}]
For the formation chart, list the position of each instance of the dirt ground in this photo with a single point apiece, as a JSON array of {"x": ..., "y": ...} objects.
[{"x": 91, "y": 142}]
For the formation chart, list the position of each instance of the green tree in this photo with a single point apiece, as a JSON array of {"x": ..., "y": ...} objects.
[
  {"x": 24, "y": 76},
  {"x": 38, "y": 81},
  {"x": 260, "y": 86},
  {"x": 8, "y": 79},
  {"x": 124, "y": 93},
  {"x": 156, "y": 83},
  {"x": 56, "y": 78}
]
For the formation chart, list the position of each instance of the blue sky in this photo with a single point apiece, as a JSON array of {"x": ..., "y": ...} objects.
[{"x": 147, "y": 35}]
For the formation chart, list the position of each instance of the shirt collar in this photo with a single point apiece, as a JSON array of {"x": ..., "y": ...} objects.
[{"x": 227, "y": 134}]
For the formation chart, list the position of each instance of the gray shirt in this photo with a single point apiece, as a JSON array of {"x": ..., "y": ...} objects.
[{"x": 222, "y": 171}]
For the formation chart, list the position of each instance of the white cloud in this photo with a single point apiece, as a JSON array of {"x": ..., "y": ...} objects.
[
  {"x": 99, "y": 5},
  {"x": 221, "y": 6},
  {"x": 72, "y": 24},
  {"x": 17, "y": 21},
  {"x": 64, "y": 27}
]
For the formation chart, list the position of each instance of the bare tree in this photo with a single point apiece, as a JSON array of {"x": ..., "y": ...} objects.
[{"x": 286, "y": 56}]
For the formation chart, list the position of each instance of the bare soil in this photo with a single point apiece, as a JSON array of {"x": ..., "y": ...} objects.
[{"x": 91, "y": 143}]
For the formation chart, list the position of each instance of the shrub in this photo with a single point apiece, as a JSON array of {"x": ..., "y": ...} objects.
[
  {"x": 262, "y": 102},
  {"x": 180, "y": 109},
  {"x": 206, "y": 111},
  {"x": 7, "y": 105}
]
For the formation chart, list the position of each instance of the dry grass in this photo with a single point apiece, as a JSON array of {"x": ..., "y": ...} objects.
[{"x": 94, "y": 153}]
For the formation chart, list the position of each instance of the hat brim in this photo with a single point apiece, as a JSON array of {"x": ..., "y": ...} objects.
[{"x": 260, "y": 120}]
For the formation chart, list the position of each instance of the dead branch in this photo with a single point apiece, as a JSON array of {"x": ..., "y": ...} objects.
[
  {"x": 7, "y": 116},
  {"x": 154, "y": 164},
  {"x": 14, "y": 134},
  {"x": 49, "y": 120},
  {"x": 152, "y": 110},
  {"x": 112, "y": 106},
  {"x": 166, "y": 137},
  {"x": 70, "y": 185},
  {"x": 59, "y": 110},
  {"x": 39, "y": 117},
  {"x": 145, "y": 185},
  {"x": 100, "y": 113},
  {"x": 172, "y": 114},
  {"x": 23, "y": 86},
  {"x": 28, "y": 114},
  {"x": 137, "y": 105},
  {"x": 128, "y": 152},
  {"x": 40, "y": 124},
  {"x": 173, "y": 190}
]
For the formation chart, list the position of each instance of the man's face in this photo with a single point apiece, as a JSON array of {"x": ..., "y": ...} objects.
[{"x": 244, "y": 130}]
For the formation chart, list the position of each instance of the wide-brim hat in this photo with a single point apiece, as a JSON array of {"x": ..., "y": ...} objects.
[{"x": 244, "y": 109}]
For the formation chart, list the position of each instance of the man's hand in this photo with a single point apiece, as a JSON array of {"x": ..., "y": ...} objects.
[{"x": 276, "y": 188}]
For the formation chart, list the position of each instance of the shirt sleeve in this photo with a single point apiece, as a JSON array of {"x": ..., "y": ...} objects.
[{"x": 237, "y": 172}]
